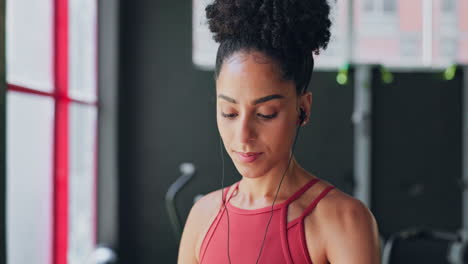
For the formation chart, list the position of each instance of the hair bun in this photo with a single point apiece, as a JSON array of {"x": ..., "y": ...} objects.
[{"x": 284, "y": 25}]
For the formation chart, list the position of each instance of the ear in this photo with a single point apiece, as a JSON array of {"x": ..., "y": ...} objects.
[{"x": 306, "y": 104}]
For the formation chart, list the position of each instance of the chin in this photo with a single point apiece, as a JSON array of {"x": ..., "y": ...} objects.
[{"x": 249, "y": 171}]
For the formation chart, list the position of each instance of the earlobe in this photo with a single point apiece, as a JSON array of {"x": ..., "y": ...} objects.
[{"x": 302, "y": 116}]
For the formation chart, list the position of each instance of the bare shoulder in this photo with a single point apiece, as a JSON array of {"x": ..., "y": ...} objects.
[
  {"x": 201, "y": 215},
  {"x": 341, "y": 207},
  {"x": 350, "y": 230},
  {"x": 208, "y": 204},
  {"x": 341, "y": 210}
]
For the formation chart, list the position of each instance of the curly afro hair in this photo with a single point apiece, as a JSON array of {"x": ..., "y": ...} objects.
[{"x": 288, "y": 31}]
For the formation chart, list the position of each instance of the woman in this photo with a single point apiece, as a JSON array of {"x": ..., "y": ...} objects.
[{"x": 278, "y": 212}]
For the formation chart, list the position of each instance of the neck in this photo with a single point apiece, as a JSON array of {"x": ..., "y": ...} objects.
[{"x": 262, "y": 190}]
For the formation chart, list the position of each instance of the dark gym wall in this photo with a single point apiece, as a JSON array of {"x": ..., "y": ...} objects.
[
  {"x": 417, "y": 152},
  {"x": 167, "y": 116}
]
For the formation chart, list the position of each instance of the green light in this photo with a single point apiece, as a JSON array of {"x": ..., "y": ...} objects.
[
  {"x": 345, "y": 67},
  {"x": 342, "y": 78},
  {"x": 449, "y": 73},
  {"x": 387, "y": 77}
]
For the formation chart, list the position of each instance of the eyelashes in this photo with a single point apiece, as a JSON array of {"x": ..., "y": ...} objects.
[
  {"x": 229, "y": 116},
  {"x": 266, "y": 117}
]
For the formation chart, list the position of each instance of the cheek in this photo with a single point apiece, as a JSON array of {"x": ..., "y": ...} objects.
[
  {"x": 224, "y": 129},
  {"x": 278, "y": 134}
]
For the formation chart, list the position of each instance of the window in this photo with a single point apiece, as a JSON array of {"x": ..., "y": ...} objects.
[
  {"x": 448, "y": 6},
  {"x": 204, "y": 47},
  {"x": 51, "y": 130},
  {"x": 379, "y": 6},
  {"x": 389, "y": 5},
  {"x": 369, "y": 5}
]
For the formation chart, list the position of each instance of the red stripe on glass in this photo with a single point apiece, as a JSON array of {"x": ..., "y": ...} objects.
[
  {"x": 61, "y": 153},
  {"x": 57, "y": 96}
]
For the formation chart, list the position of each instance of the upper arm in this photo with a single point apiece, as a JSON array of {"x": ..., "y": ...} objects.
[
  {"x": 352, "y": 234},
  {"x": 198, "y": 221},
  {"x": 189, "y": 237}
]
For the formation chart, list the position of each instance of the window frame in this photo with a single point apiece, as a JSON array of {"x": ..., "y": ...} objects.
[
  {"x": 61, "y": 148},
  {"x": 2, "y": 132}
]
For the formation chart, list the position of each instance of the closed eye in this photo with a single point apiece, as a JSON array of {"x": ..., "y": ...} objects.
[
  {"x": 231, "y": 116},
  {"x": 268, "y": 116},
  {"x": 228, "y": 115}
]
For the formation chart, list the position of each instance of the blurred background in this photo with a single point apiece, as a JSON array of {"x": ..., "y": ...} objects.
[{"x": 108, "y": 126}]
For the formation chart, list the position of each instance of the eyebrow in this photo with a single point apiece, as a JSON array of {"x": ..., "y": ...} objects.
[{"x": 256, "y": 101}]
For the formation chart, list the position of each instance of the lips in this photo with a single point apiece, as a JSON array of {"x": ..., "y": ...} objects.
[{"x": 248, "y": 157}]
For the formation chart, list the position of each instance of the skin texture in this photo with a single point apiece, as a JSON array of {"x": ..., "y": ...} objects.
[{"x": 341, "y": 229}]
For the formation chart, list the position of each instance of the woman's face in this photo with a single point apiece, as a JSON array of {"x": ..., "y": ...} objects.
[{"x": 257, "y": 112}]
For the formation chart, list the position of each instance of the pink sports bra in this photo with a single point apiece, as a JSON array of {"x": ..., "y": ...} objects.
[{"x": 284, "y": 243}]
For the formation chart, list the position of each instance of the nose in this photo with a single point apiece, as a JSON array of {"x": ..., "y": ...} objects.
[{"x": 247, "y": 131}]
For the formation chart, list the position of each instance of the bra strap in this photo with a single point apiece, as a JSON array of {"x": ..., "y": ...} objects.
[
  {"x": 301, "y": 190},
  {"x": 226, "y": 191},
  {"x": 315, "y": 202}
]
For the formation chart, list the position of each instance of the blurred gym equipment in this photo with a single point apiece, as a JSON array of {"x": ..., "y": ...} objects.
[
  {"x": 440, "y": 246},
  {"x": 188, "y": 171}
]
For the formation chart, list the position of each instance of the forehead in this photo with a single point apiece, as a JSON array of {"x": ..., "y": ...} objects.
[{"x": 251, "y": 75}]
